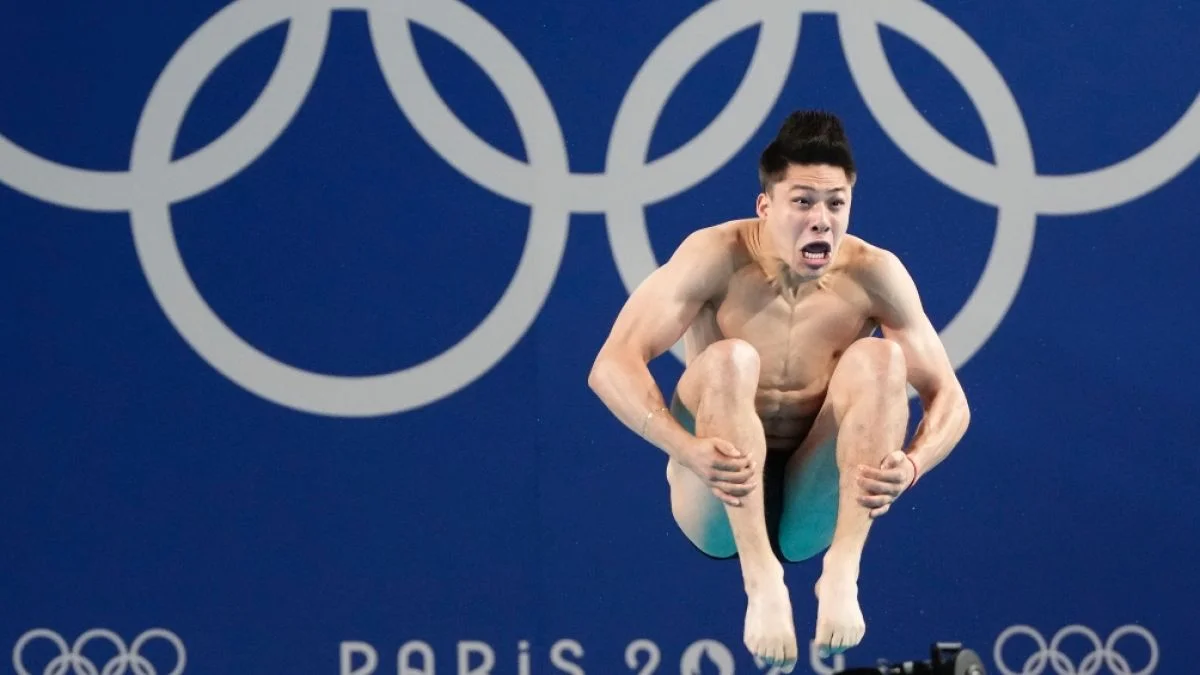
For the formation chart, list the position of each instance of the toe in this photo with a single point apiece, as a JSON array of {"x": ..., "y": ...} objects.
[{"x": 822, "y": 639}]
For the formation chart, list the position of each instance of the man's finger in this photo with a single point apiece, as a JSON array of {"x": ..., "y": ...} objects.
[
  {"x": 886, "y": 476},
  {"x": 732, "y": 465},
  {"x": 717, "y": 472},
  {"x": 728, "y": 499},
  {"x": 874, "y": 501},
  {"x": 727, "y": 449},
  {"x": 735, "y": 489},
  {"x": 877, "y": 487},
  {"x": 879, "y": 474},
  {"x": 875, "y": 513},
  {"x": 733, "y": 476}
]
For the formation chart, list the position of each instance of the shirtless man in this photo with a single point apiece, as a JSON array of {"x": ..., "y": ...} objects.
[{"x": 786, "y": 432}]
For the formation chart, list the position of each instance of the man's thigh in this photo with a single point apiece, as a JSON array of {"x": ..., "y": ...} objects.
[
  {"x": 699, "y": 514},
  {"x": 811, "y": 492},
  {"x": 702, "y": 517}
]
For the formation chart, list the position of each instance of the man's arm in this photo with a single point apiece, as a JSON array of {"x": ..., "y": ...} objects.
[
  {"x": 903, "y": 320},
  {"x": 654, "y": 318}
]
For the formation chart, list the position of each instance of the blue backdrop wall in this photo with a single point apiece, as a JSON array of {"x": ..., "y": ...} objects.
[{"x": 299, "y": 300}]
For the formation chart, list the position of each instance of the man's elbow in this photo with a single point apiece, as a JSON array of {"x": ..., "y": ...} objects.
[
  {"x": 596, "y": 374},
  {"x": 601, "y": 371},
  {"x": 611, "y": 367},
  {"x": 963, "y": 409},
  {"x": 950, "y": 400}
]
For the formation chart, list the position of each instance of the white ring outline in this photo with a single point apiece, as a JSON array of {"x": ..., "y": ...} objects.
[
  {"x": 203, "y": 169},
  {"x": 656, "y": 80},
  {"x": 340, "y": 395},
  {"x": 1016, "y": 221}
]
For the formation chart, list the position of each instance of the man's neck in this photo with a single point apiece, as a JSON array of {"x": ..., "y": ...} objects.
[{"x": 790, "y": 284}]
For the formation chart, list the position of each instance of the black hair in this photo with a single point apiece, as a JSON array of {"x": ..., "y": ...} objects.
[{"x": 806, "y": 137}]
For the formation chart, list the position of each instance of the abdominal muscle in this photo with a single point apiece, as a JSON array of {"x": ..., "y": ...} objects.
[
  {"x": 787, "y": 416},
  {"x": 792, "y": 382}
]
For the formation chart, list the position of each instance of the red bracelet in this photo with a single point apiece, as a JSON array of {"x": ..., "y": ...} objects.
[{"x": 916, "y": 472}]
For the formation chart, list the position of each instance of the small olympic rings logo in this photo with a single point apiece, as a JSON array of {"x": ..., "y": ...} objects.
[
  {"x": 71, "y": 659},
  {"x": 1103, "y": 654}
]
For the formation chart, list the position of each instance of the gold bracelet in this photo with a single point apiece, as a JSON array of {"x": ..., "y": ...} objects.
[{"x": 650, "y": 414}]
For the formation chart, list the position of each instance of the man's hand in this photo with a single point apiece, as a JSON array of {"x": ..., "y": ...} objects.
[
  {"x": 880, "y": 487},
  {"x": 725, "y": 469}
]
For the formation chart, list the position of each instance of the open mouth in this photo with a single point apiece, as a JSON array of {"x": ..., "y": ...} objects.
[{"x": 816, "y": 253}]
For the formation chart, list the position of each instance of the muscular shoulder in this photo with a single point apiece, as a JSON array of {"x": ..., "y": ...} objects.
[
  {"x": 712, "y": 254},
  {"x": 870, "y": 264},
  {"x": 699, "y": 270},
  {"x": 880, "y": 273}
]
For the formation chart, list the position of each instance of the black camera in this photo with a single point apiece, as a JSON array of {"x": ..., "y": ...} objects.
[{"x": 946, "y": 658}]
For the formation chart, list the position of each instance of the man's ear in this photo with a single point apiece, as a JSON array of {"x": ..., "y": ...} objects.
[{"x": 761, "y": 205}]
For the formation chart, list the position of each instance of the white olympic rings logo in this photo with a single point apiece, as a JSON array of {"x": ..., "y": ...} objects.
[
  {"x": 546, "y": 184},
  {"x": 1102, "y": 654},
  {"x": 72, "y": 657}
]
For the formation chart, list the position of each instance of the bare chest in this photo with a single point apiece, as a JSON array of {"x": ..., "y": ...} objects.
[{"x": 799, "y": 340}]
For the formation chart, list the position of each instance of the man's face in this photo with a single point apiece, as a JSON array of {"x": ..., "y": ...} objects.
[{"x": 807, "y": 214}]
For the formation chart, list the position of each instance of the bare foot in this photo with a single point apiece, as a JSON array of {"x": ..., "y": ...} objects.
[
  {"x": 770, "y": 631},
  {"x": 840, "y": 623}
]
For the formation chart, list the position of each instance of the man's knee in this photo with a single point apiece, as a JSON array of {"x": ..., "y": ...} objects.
[
  {"x": 732, "y": 363},
  {"x": 726, "y": 372},
  {"x": 876, "y": 361}
]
